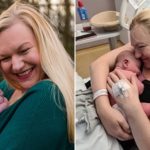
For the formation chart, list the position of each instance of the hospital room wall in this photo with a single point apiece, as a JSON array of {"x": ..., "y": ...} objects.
[{"x": 96, "y": 6}]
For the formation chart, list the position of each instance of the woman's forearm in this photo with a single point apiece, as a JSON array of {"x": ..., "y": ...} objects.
[
  {"x": 99, "y": 71},
  {"x": 140, "y": 125}
]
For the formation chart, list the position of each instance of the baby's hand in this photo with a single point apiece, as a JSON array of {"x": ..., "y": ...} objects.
[
  {"x": 3, "y": 101},
  {"x": 1, "y": 97}
]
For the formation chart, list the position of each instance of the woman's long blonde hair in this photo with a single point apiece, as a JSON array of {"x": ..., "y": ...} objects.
[{"x": 54, "y": 60}]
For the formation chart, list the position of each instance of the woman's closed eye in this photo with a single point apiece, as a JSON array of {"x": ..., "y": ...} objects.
[
  {"x": 24, "y": 51},
  {"x": 141, "y": 46},
  {"x": 5, "y": 59}
]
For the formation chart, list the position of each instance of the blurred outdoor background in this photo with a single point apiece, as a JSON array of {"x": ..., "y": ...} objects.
[{"x": 61, "y": 14}]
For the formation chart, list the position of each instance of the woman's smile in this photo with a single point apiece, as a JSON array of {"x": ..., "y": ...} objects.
[{"x": 25, "y": 75}]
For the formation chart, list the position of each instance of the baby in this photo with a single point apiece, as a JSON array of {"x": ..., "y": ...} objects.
[{"x": 129, "y": 66}]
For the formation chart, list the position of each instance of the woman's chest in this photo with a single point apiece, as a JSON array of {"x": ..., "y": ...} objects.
[
  {"x": 145, "y": 96},
  {"x": 15, "y": 97}
]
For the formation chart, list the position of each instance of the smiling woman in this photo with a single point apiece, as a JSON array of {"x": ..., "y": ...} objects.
[
  {"x": 38, "y": 83},
  {"x": 20, "y": 60}
]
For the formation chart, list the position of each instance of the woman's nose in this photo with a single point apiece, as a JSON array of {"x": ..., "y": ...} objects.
[{"x": 17, "y": 64}]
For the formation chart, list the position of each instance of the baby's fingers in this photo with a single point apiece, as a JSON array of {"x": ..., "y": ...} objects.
[
  {"x": 134, "y": 82},
  {"x": 110, "y": 82},
  {"x": 119, "y": 74},
  {"x": 109, "y": 89}
]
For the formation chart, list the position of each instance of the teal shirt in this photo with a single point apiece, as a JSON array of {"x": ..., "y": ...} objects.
[{"x": 36, "y": 121}]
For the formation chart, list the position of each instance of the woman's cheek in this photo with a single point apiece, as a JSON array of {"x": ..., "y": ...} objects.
[{"x": 5, "y": 68}]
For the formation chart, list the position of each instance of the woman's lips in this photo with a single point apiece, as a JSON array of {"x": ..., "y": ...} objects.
[{"x": 25, "y": 74}]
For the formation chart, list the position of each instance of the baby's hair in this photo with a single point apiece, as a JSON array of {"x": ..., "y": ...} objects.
[{"x": 125, "y": 54}]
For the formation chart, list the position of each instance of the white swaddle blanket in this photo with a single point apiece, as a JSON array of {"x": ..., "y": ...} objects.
[{"x": 90, "y": 134}]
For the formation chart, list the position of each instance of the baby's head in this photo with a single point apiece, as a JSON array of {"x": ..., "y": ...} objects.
[{"x": 127, "y": 61}]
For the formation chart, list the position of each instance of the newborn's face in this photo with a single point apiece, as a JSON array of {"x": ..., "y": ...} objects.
[{"x": 134, "y": 65}]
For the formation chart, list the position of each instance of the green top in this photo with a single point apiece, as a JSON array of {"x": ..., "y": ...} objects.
[{"x": 35, "y": 121}]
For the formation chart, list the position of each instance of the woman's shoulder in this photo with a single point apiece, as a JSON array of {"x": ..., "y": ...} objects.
[
  {"x": 46, "y": 90},
  {"x": 44, "y": 86},
  {"x": 45, "y": 97}
]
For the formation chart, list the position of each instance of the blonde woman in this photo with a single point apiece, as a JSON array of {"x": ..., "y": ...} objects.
[
  {"x": 138, "y": 124},
  {"x": 38, "y": 83}
]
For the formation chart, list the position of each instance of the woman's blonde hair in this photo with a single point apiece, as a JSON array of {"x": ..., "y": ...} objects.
[
  {"x": 142, "y": 18},
  {"x": 55, "y": 62}
]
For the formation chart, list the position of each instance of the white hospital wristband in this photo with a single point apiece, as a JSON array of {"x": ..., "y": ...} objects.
[{"x": 99, "y": 93}]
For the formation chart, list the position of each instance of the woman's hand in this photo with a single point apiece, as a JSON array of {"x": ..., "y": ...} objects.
[
  {"x": 130, "y": 104},
  {"x": 114, "y": 123},
  {"x": 131, "y": 97}
]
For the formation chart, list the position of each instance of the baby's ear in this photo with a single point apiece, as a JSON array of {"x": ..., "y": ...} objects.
[{"x": 125, "y": 63}]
